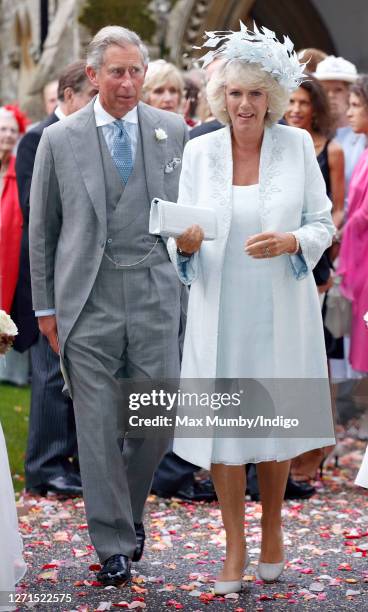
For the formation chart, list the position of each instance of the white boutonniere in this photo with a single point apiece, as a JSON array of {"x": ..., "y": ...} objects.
[
  {"x": 160, "y": 134},
  {"x": 366, "y": 318}
]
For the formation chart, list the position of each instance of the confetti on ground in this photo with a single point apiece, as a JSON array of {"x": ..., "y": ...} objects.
[{"x": 326, "y": 543}]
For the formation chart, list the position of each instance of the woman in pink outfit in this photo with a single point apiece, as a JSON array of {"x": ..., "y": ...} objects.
[{"x": 353, "y": 265}]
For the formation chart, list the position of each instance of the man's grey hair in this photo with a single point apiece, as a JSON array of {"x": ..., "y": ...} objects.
[{"x": 113, "y": 35}]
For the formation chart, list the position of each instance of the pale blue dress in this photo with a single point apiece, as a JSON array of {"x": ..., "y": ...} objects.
[
  {"x": 245, "y": 333},
  {"x": 245, "y": 324}
]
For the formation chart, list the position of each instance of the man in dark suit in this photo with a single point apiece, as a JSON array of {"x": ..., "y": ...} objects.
[
  {"x": 174, "y": 476},
  {"x": 52, "y": 436}
]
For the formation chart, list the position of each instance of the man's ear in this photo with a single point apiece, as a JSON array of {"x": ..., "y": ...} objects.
[
  {"x": 68, "y": 94},
  {"x": 92, "y": 75}
]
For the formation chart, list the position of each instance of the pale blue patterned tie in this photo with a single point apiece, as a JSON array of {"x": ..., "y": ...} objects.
[{"x": 122, "y": 150}]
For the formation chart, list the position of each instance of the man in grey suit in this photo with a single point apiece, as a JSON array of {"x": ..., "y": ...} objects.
[{"x": 114, "y": 292}]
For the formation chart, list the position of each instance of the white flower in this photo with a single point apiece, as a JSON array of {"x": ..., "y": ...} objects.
[
  {"x": 160, "y": 134},
  {"x": 366, "y": 318},
  {"x": 7, "y": 325}
]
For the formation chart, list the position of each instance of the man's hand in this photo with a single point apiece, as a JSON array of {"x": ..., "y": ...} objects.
[
  {"x": 270, "y": 244},
  {"x": 47, "y": 326},
  {"x": 190, "y": 241}
]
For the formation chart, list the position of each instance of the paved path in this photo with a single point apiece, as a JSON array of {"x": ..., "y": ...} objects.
[{"x": 325, "y": 544}]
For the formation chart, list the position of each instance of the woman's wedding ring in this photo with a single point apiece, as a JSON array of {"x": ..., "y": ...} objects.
[{"x": 267, "y": 252}]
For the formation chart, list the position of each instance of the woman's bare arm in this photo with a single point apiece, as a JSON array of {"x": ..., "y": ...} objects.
[{"x": 336, "y": 166}]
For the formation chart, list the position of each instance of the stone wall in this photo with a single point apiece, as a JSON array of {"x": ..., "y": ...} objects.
[
  {"x": 19, "y": 35},
  {"x": 335, "y": 25},
  {"x": 347, "y": 22},
  {"x": 24, "y": 69}
]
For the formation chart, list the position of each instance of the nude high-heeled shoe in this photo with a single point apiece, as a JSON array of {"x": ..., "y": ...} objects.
[
  {"x": 224, "y": 587},
  {"x": 269, "y": 572}
]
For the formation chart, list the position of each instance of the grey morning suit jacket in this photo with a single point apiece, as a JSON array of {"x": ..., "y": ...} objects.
[{"x": 68, "y": 205}]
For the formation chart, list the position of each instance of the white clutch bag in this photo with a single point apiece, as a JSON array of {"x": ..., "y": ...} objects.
[{"x": 171, "y": 219}]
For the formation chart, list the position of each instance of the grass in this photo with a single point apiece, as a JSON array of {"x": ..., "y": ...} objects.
[{"x": 14, "y": 413}]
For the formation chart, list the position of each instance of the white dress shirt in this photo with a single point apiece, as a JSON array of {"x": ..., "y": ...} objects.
[
  {"x": 106, "y": 121},
  {"x": 59, "y": 113}
]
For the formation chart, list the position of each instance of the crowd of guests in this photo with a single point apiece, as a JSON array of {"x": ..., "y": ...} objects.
[{"x": 331, "y": 107}]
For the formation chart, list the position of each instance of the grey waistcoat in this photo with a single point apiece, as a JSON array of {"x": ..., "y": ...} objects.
[{"x": 127, "y": 213}]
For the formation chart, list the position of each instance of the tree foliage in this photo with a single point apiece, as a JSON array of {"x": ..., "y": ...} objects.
[{"x": 132, "y": 14}]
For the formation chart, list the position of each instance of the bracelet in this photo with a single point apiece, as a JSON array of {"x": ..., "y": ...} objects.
[
  {"x": 297, "y": 245},
  {"x": 183, "y": 253}
]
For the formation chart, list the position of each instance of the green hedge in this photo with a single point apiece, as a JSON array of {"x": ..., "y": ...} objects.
[{"x": 14, "y": 413}]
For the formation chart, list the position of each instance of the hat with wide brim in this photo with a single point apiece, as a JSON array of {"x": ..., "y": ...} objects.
[{"x": 336, "y": 69}]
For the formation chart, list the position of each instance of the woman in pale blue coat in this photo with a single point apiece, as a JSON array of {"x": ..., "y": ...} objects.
[{"x": 254, "y": 309}]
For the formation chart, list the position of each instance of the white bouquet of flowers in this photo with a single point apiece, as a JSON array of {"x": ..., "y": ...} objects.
[
  {"x": 366, "y": 318},
  {"x": 8, "y": 331}
]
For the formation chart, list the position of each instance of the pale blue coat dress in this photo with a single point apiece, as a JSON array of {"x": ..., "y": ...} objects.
[{"x": 252, "y": 318}]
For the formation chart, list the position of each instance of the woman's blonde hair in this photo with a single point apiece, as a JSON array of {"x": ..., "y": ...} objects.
[
  {"x": 158, "y": 74},
  {"x": 251, "y": 76}
]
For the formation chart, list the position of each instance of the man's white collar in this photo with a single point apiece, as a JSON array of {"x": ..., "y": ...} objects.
[
  {"x": 104, "y": 118},
  {"x": 59, "y": 113}
]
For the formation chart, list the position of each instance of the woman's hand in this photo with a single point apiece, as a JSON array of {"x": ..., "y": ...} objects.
[
  {"x": 190, "y": 241},
  {"x": 324, "y": 288},
  {"x": 270, "y": 244}
]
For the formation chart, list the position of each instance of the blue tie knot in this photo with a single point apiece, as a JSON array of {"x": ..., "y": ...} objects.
[{"x": 120, "y": 125}]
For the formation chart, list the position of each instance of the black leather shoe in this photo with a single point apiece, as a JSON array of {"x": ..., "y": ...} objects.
[
  {"x": 294, "y": 490},
  {"x": 200, "y": 490},
  {"x": 194, "y": 492},
  {"x": 74, "y": 478},
  {"x": 140, "y": 535},
  {"x": 115, "y": 571},
  {"x": 298, "y": 489},
  {"x": 66, "y": 486}
]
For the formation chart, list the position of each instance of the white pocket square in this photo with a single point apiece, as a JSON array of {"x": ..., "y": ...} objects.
[{"x": 171, "y": 165}]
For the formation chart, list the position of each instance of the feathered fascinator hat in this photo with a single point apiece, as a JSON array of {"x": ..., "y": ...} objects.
[{"x": 257, "y": 47}]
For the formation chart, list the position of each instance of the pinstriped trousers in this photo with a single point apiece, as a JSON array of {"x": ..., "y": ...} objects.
[
  {"x": 52, "y": 437},
  {"x": 128, "y": 329}
]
